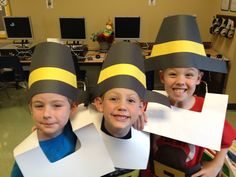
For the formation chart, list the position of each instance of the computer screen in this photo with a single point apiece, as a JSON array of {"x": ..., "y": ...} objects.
[
  {"x": 127, "y": 28},
  {"x": 72, "y": 28},
  {"x": 18, "y": 27}
]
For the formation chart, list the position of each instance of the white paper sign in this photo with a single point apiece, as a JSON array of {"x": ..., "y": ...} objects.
[{"x": 199, "y": 128}]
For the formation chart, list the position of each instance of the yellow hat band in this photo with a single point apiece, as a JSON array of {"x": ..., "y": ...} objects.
[
  {"x": 123, "y": 69},
  {"x": 52, "y": 73},
  {"x": 176, "y": 47}
]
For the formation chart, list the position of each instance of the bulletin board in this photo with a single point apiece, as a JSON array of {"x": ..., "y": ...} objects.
[{"x": 4, "y": 11}]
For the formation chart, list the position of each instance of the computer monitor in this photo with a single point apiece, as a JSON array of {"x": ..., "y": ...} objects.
[
  {"x": 72, "y": 29},
  {"x": 18, "y": 28},
  {"x": 127, "y": 28}
]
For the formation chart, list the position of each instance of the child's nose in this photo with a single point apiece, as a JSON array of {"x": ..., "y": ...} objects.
[
  {"x": 122, "y": 105},
  {"x": 180, "y": 79},
  {"x": 46, "y": 113}
]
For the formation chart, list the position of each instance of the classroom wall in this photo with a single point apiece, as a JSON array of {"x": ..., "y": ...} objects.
[
  {"x": 227, "y": 47},
  {"x": 45, "y": 21}
]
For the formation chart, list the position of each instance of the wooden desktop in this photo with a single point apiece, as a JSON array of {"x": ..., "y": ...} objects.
[{"x": 93, "y": 60}]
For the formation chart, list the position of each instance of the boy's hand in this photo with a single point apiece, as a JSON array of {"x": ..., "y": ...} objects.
[
  {"x": 140, "y": 122},
  {"x": 208, "y": 170},
  {"x": 212, "y": 168}
]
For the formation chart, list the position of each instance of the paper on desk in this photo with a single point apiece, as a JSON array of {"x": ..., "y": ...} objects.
[
  {"x": 130, "y": 153},
  {"x": 86, "y": 161},
  {"x": 200, "y": 128}
]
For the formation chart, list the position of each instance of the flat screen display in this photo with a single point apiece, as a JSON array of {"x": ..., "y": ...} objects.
[
  {"x": 72, "y": 28},
  {"x": 18, "y": 27},
  {"x": 127, "y": 28}
]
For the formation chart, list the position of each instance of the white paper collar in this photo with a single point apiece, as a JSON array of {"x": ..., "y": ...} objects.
[
  {"x": 92, "y": 153},
  {"x": 130, "y": 153}
]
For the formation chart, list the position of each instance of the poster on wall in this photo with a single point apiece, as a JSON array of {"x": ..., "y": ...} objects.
[
  {"x": 49, "y": 4},
  {"x": 4, "y": 11},
  {"x": 233, "y": 6},
  {"x": 225, "y": 4}
]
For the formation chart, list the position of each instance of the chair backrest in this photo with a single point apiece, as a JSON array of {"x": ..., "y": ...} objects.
[
  {"x": 201, "y": 89},
  {"x": 81, "y": 76},
  {"x": 13, "y": 62}
]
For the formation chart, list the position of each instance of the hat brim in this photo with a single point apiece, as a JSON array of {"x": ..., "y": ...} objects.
[
  {"x": 120, "y": 81},
  {"x": 129, "y": 83},
  {"x": 156, "y": 97},
  {"x": 52, "y": 86},
  {"x": 185, "y": 59}
]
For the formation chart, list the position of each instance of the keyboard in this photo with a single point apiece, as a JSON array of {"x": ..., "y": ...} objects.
[
  {"x": 77, "y": 47},
  {"x": 79, "y": 58}
]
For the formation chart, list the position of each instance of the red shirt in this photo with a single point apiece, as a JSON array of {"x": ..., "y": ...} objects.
[{"x": 193, "y": 153}]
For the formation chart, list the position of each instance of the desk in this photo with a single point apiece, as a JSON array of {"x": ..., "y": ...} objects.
[
  {"x": 91, "y": 65},
  {"x": 24, "y": 54},
  {"x": 216, "y": 81},
  {"x": 90, "y": 57},
  {"x": 17, "y": 50}
]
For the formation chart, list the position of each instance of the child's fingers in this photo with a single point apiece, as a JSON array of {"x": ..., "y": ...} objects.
[
  {"x": 145, "y": 117},
  {"x": 199, "y": 173},
  {"x": 203, "y": 173},
  {"x": 139, "y": 123}
]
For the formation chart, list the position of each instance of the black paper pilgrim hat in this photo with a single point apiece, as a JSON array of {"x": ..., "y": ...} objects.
[
  {"x": 52, "y": 70},
  {"x": 178, "y": 44},
  {"x": 124, "y": 68}
]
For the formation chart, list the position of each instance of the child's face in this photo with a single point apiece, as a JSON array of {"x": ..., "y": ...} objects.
[
  {"x": 180, "y": 83},
  {"x": 121, "y": 108},
  {"x": 50, "y": 112}
]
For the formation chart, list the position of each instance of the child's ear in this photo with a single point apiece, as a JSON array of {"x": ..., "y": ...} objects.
[
  {"x": 143, "y": 106},
  {"x": 98, "y": 104},
  {"x": 200, "y": 75},
  {"x": 161, "y": 75},
  {"x": 74, "y": 107},
  {"x": 30, "y": 108}
]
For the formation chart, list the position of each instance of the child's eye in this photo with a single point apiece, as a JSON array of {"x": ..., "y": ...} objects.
[
  {"x": 189, "y": 75},
  {"x": 131, "y": 100},
  {"x": 113, "y": 99},
  {"x": 172, "y": 74},
  {"x": 57, "y": 105},
  {"x": 37, "y": 106}
]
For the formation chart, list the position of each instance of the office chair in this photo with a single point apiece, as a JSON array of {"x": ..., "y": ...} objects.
[
  {"x": 201, "y": 89},
  {"x": 11, "y": 72},
  {"x": 82, "y": 80}
]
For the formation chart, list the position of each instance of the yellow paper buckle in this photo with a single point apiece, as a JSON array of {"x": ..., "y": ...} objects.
[
  {"x": 122, "y": 69},
  {"x": 52, "y": 73},
  {"x": 176, "y": 47}
]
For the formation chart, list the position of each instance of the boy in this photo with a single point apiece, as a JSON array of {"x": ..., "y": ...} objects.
[
  {"x": 53, "y": 149},
  {"x": 180, "y": 56},
  {"x": 119, "y": 96}
]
